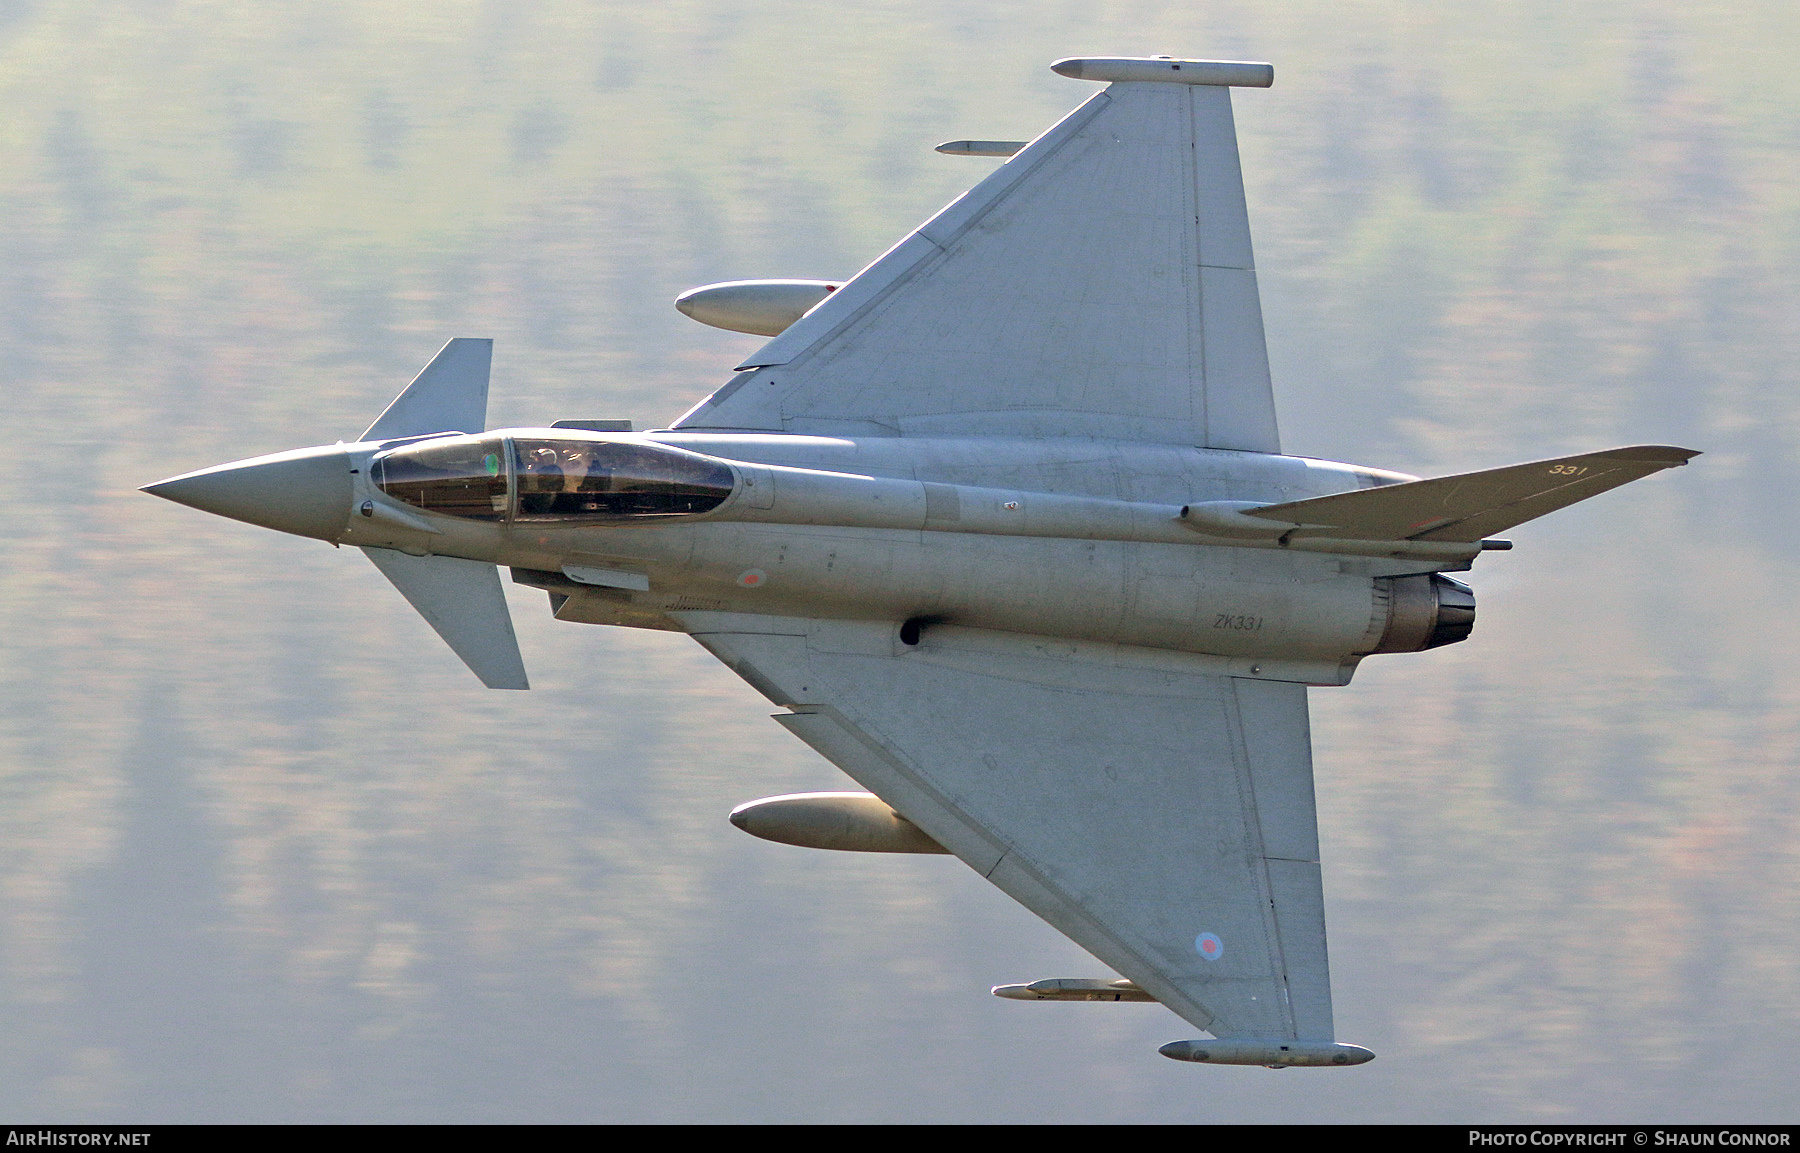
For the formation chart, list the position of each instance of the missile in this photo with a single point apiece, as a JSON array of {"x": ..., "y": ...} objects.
[
  {"x": 1073, "y": 989},
  {"x": 981, "y": 147}
]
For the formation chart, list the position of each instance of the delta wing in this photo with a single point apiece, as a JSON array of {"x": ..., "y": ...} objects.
[{"x": 1158, "y": 812}]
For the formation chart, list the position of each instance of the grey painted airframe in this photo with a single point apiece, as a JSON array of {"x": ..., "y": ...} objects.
[{"x": 1003, "y": 524}]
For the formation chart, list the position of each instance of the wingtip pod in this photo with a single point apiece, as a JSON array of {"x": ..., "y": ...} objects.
[
  {"x": 1166, "y": 69},
  {"x": 1273, "y": 1054}
]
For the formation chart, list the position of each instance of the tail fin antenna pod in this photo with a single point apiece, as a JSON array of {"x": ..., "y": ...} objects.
[
  {"x": 463, "y": 601},
  {"x": 449, "y": 394}
]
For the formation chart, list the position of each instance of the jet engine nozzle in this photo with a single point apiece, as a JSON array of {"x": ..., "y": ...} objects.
[
  {"x": 305, "y": 491},
  {"x": 1424, "y": 612}
]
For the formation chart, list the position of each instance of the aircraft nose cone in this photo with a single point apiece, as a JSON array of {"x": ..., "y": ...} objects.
[{"x": 306, "y": 491}]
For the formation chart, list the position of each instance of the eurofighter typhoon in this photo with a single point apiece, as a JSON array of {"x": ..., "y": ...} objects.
[{"x": 1003, "y": 524}]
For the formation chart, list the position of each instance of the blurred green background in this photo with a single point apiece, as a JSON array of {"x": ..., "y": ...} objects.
[{"x": 267, "y": 852}]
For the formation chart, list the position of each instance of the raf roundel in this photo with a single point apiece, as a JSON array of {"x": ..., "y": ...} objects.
[
  {"x": 1209, "y": 946},
  {"x": 752, "y": 578}
]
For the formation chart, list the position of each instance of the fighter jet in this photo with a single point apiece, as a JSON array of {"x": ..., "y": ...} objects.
[{"x": 1002, "y": 523}]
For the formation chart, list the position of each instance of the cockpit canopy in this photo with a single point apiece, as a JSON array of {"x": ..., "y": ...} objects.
[{"x": 552, "y": 478}]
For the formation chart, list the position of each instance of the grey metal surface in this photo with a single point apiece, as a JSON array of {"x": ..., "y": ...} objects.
[
  {"x": 1099, "y": 283},
  {"x": 449, "y": 394},
  {"x": 1167, "y": 69},
  {"x": 1300, "y": 1054},
  {"x": 981, "y": 147},
  {"x": 305, "y": 492},
  {"x": 847, "y": 822},
  {"x": 759, "y": 307},
  {"x": 1073, "y": 989},
  {"x": 1072, "y": 465},
  {"x": 1142, "y": 811},
  {"x": 463, "y": 601},
  {"x": 1472, "y": 505}
]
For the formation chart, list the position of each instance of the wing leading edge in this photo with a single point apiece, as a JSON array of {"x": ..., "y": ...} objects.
[
  {"x": 1099, "y": 283},
  {"x": 1153, "y": 809}
]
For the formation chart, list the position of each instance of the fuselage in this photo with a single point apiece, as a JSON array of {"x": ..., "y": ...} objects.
[{"x": 1061, "y": 538}]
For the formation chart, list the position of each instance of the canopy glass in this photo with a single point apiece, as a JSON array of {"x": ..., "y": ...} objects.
[{"x": 552, "y": 479}]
